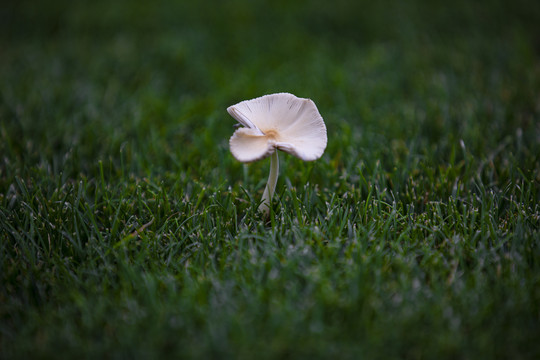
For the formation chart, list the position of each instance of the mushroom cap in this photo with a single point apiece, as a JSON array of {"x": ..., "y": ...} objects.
[{"x": 277, "y": 121}]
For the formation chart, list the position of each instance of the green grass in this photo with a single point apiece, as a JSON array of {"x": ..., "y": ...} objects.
[{"x": 128, "y": 230}]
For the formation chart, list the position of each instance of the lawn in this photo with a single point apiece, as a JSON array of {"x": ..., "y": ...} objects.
[{"x": 128, "y": 230}]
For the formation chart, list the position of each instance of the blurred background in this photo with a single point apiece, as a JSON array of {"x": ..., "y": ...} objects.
[{"x": 147, "y": 78}]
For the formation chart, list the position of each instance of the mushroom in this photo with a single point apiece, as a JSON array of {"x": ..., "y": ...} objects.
[{"x": 277, "y": 121}]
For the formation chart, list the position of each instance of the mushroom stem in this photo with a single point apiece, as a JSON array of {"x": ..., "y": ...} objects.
[{"x": 270, "y": 185}]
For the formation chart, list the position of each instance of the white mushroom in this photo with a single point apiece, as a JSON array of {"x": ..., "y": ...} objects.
[{"x": 277, "y": 121}]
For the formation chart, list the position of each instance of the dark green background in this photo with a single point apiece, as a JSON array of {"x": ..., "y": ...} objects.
[{"x": 128, "y": 230}]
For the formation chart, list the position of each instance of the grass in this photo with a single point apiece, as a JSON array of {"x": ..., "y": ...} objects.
[{"x": 128, "y": 230}]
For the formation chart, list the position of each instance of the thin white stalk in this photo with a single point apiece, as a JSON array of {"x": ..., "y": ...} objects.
[{"x": 270, "y": 185}]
